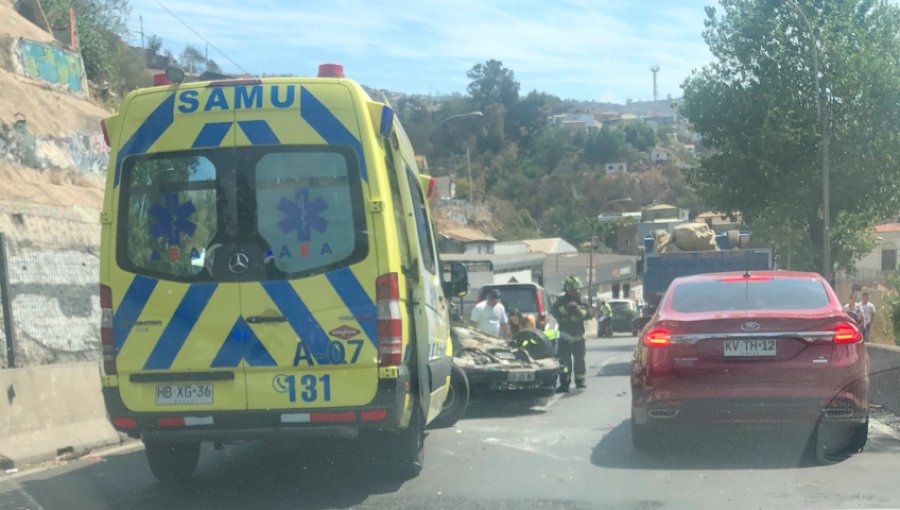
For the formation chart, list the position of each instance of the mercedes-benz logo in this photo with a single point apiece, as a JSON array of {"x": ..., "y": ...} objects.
[
  {"x": 239, "y": 263},
  {"x": 750, "y": 326}
]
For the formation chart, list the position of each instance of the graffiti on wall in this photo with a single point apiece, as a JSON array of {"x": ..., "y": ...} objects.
[
  {"x": 52, "y": 64},
  {"x": 55, "y": 305},
  {"x": 85, "y": 151}
]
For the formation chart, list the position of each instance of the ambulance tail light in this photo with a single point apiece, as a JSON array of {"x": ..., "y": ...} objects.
[
  {"x": 107, "y": 340},
  {"x": 390, "y": 323},
  {"x": 331, "y": 71},
  {"x": 431, "y": 184},
  {"x": 105, "y": 132}
]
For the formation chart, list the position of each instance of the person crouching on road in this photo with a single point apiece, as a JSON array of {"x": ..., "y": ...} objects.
[
  {"x": 519, "y": 321},
  {"x": 571, "y": 311},
  {"x": 489, "y": 316}
]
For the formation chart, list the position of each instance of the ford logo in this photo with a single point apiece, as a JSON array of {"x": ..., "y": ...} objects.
[{"x": 750, "y": 326}]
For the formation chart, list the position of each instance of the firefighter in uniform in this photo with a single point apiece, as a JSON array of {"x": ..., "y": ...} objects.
[{"x": 571, "y": 311}]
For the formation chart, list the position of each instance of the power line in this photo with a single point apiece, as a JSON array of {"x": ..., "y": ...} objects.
[{"x": 213, "y": 46}]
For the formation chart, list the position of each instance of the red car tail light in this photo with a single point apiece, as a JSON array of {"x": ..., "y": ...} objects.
[
  {"x": 846, "y": 333},
  {"x": 542, "y": 316},
  {"x": 390, "y": 322},
  {"x": 658, "y": 337}
]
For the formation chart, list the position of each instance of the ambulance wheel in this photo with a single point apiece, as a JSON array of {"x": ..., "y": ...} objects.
[
  {"x": 172, "y": 462},
  {"x": 456, "y": 401},
  {"x": 406, "y": 451}
]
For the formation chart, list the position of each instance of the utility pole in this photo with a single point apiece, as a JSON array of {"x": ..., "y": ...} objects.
[
  {"x": 142, "y": 31},
  {"x": 822, "y": 113},
  {"x": 207, "y": 56},
  {"x": 469, "y": 170},
  {"x": 654, "y": 69}
]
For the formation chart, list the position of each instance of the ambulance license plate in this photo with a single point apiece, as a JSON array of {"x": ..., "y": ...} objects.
[
  {"x": 184, "y": 394},
  {"x": 520, "y": 377}
]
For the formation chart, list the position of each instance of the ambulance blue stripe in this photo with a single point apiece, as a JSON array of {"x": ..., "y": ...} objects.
[
  {"x": 354, "y": 296},
  {"x": 300, "y": 318},
  {"x": 255, "y": 352},
  {"x": 232, "y": 351},
  {"x": 131, "y": 307},
  {"x": 258, "y": 132},
  {"x": 242, "y": 344},
  {"x": 183, "y": 320},
  {"x": 329, "y": 127},
  {"x": 147, "y": 134},
  {"x": 212, "y": 134}
]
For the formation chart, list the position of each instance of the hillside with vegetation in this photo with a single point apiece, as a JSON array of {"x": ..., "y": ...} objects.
[{"x": 534, "y": 177}]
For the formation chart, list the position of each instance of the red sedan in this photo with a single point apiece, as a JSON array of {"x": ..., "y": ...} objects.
[{"x": 767, "y": 347}]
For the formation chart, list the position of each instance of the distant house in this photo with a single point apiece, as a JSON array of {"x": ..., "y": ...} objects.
[
  {"x": 883, "y": 258},
  {"x": 444, "y": 188},
  {"x": 658, "y": 154},
  {"x": 466, "y": 241},
  {"x": 690, "y": 149},
  {"x": 576, "y": 121},
  {"x": 616, "y": 168},
  {"x": 550, "y": 246}
]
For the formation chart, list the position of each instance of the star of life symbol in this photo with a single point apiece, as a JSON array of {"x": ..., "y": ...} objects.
[
  {"x": 303, "y": 215},
  {"x": 171, "y": 219}
]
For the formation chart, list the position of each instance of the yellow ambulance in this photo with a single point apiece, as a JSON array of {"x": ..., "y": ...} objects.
[{"x": 269, "y": 270}]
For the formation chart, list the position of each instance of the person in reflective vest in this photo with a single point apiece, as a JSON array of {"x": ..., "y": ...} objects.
[{"x": 571, "y": 310}]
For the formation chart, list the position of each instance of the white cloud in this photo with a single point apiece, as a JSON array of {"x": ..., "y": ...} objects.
[{"x": 603, "y": 48}]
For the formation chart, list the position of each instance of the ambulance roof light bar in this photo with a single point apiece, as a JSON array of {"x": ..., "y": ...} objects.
[{"x": 331, "y": 71}]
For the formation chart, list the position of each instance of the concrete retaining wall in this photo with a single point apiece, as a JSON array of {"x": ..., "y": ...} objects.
[
  {"x": 47, "y": 410},
  {"x": 884, "y": 374}
]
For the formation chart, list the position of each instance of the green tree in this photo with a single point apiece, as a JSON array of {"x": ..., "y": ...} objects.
[
  {"x": 640, "y": 136},
  {"x": 100, "y": 26},
  {"x": 154, "y": 43},
  {"x": 756, "y": 107},
  {"x": 193, "y": 59},
  {"x": 493, "y": 83},
  {"x": 605, "y": 146},
  {"x": 529, "y": 116}
]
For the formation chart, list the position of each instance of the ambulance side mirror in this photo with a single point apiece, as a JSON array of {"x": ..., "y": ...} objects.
[
  {"x": 458, "y": 285},
  {"x": 175, "y": 74},
  {"x": 382, "y": 118}
]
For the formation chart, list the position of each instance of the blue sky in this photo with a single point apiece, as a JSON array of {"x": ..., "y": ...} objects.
[{"x": 578, "y": 49}]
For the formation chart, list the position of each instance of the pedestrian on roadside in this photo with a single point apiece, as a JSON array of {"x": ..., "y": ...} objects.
[
  {"x": 868, "y": 312},
  {"x": 519, "y": 320},
  {"x": 489, "y": 316},
  {"x": 854, "y": 311},
  {"x": 571, "y": 310},
  {"x": 606, "y": 316}
]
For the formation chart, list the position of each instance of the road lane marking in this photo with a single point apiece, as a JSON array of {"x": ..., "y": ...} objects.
[
  {"x": 554, "y": 399},
  {"x": 607, "y": 362}
]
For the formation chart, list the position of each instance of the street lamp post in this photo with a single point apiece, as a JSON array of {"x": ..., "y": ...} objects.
[
  {"x": 593, "y": 236},
  {"x": 826, "y": 135},
  {"x": 476, "y": 113}
]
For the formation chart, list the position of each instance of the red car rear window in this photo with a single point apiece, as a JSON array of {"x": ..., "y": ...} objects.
[{"x": 754, "y": 294}]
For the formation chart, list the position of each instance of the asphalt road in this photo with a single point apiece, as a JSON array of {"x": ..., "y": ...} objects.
[{"x": 572, "y": 451}]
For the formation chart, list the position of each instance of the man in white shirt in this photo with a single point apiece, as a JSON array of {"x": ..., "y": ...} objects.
[
  {"x": 868, "y": 312},
  {"x": 489, "y": 316}
]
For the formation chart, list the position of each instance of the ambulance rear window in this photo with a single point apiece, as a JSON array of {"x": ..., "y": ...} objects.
[
  {"x": 303, "y": 209},
  {"x": 282, "y": 211},
  {"x": 169, "y": 213}
]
